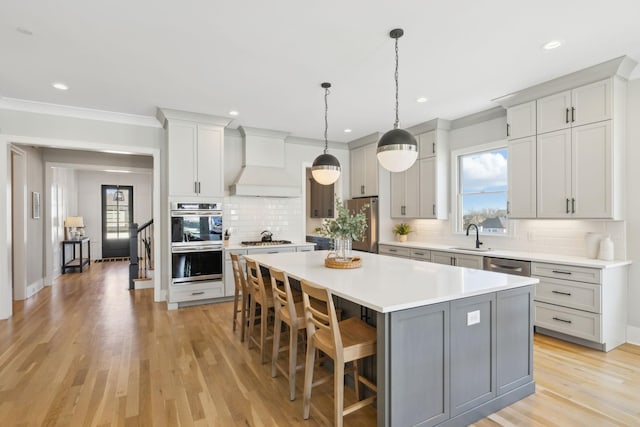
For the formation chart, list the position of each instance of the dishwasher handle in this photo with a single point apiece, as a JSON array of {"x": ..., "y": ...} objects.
[{"x": 509, "y": 266}]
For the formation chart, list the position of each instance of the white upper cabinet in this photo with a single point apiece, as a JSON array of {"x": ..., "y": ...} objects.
[
  {"x": 554, "y": 174},
  {"x": 364, "y": 171},
  {"x": 405, "y": 190},
  {"x": 522, "y": 178},
  {"x": 428, "y": 187},
  {"x": 196, "y": 154},
  {"x": 426, "y": 144},
  {"x": 583, "y": 105},
  {"x": 521, "y": 120}
]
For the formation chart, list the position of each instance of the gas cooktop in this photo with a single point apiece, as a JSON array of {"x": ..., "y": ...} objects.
[{"x": 261, "y": 243}]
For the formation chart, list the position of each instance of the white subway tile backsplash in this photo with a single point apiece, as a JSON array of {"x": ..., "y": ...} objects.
[{"x": 246, "y": 217}]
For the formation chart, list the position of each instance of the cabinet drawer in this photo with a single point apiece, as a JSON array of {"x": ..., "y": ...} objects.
[
  {"x": 394, "y": 251},
  {"x": 200, "y": 291},
  {"x": 421, "y": 254},
  {"x": 309, "y": 248},
  {"x": 569, "y": 321},
  {"x": 271, "y": 250},
  {"x": 582, "y": 296},
  {"x": 557, "y": 271}
]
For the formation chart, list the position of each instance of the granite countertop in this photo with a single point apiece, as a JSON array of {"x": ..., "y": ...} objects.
[
  {"x": 386, "y": 284},
  {"x": 526, "y": 256}
]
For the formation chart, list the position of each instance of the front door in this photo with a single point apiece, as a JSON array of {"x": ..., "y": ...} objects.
[{"x": 117, "y": 213}]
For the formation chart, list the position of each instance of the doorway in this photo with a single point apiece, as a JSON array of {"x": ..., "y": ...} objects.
[
  {"x": 117, "y": 214},
  {"x": 18, "y": 223}
]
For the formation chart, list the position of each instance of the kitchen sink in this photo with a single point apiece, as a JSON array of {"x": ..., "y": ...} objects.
[{"x": 472, "y": 249}]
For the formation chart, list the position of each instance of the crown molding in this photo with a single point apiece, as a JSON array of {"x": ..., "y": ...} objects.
[
  {"x": 16, "y": 104},
  {"x": 479, "y": 117},
  {"x": 365, "y": 140},
  {"x": 164, "y": 114}
]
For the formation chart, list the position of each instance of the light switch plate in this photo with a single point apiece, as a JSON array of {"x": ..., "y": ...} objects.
[{"x": 473, "y": 317}]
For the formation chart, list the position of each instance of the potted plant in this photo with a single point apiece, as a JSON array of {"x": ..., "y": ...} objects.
[
  {"x": 344, "y": 228},
  {"x": 402, "y": 230}
]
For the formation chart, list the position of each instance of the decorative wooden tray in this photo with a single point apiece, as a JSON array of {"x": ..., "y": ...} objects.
[{"x": 332, "y": 262}]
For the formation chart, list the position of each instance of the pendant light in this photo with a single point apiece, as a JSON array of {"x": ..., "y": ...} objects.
[
  {"x": 326, "y": 168},
  {"x": 397, "y": 149}
]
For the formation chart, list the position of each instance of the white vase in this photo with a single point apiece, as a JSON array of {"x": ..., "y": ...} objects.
[{"x": 606, "y": 249}]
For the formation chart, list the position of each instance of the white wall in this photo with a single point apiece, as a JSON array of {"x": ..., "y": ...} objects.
[
  {"x": 35, "y": 227},
  {"x": 90, "y": 201},
  {"x": 62, "y": 194}
]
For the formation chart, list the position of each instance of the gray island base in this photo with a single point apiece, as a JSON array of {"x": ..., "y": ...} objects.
[{"x": 454, "y": 344}]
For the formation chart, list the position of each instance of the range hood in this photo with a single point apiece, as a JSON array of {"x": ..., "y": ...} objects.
[{"x": 263, "y": 173}]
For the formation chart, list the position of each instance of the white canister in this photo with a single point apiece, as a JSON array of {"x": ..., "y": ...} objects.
[
  {"x": 592, "y": 241},
  {"x": 606, "y": 249}
]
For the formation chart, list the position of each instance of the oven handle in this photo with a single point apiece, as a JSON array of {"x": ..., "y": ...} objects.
[
  {"x": 209, "y": 248},
  {"x": 195, "y": 213}
]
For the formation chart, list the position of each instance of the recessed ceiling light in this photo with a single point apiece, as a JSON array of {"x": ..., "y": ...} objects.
[
  {"x": 25, "y": 31},
  {"x": 233, "y": 113},
  {"x": 347, "y": 131},
  {"x": 60, "y": 86},
  {"x": 422, "y": 99},
  {"x": 552, "y": 44}
]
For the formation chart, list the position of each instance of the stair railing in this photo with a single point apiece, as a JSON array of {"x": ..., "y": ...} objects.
[{"x": 141, "y": 246}]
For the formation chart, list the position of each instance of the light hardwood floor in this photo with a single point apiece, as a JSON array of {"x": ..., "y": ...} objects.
[{"x": 87, "y": 352}]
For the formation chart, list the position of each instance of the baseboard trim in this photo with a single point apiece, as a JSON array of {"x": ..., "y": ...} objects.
[
  {"x": 633, "y": 335},
  {"x": 143, "y": 284},
  {"x": 35, "y": 287}
]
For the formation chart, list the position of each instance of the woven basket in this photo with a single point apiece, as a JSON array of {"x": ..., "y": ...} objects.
[{"x": 331, "y": 262}]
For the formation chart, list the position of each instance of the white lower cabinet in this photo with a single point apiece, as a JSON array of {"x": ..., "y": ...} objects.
[
  {"x": 394, "y": 251},
  {"x": 229, "y": 281},
  {"x": 582, "y": 305},
  {"x": 195, "y": 292}
]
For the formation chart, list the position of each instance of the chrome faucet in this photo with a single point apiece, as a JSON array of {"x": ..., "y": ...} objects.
[{"x": 478, "y": 242}]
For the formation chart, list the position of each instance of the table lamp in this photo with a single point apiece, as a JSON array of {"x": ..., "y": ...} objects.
[{"x": 73, "y": 226}]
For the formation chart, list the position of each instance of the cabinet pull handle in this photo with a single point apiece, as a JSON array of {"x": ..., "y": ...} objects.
[
  {"x": 197, "y": 293},
  {"x": 573, "y": 114},
  {"x": 433, "y": 148},
  {"x": 272, "y": 252},
  {"x": 507, "y": 129},
  {"x": 566, "y": 115},
  {"x": 562, "y": 320},
  {"x": 453, "y": 261},
  {"x": 567, "y": 205},
  {"x": 562, "y": 293},
  {"x": 362, "y": 189},
  {"x": 561, "y": 272},
  {"x": 573, "y": 205},
  {"x": 508, "y": 208},
  {"x": 195, "y": 187},
  {"x": 419, "y": 253},
  {"x": 393, "y": 250},
  {"x": 330, "y": 212},
  {"x": 434, "y": 209}
]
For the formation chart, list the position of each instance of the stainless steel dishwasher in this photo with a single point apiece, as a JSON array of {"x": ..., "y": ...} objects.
[{"x": 509, "y": 266}]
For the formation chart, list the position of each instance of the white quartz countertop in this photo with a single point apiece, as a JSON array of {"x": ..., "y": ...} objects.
[
  {"x": 526, "y": 256},
  {"x": 386, "y": 284}
]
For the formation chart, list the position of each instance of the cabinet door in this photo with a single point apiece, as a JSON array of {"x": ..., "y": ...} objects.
[
  {"x": 397, "y": 194},
  {"x": 521, "y": 120},
  {"x": 554, "y": 174},
  {"x": 591, "y": 103},
  {"x": 419, "y": 365},
  {"x": 427, "y": 144},
  {"x": 554, "y": 112},
  {"x": 229, "y": 280},
  {"x": 412, "y": 191},
  {"x": 182, "y": 158},
  {"x": 370, "y": 180},
  {"x": 591, "y": 171},
  {"x": 522, "y": 178},
  {"x": 442, "y": 257},
  {"x": 357, "y": 172},
  {"x": 469, "y": 261},
  {"x": 428, "y": 188},
  {"x": 210, "y": 162},
  {"x": 473, "y": 352}
]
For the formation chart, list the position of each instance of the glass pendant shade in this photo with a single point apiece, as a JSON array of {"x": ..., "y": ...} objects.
[
  {"x": 325, "y": 169},
  {"x": 397, "y": 150}
]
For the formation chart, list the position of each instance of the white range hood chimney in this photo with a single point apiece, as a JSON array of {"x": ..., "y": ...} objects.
[{"x": 263, "y": 172}]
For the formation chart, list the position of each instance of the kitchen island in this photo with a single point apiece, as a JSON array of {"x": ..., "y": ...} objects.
[{"x": 454, "y": 344}]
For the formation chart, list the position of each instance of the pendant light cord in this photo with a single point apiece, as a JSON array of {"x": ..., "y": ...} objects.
[
  {"x": 395, "y": 125},
  {"x": 326, "y": 120}
]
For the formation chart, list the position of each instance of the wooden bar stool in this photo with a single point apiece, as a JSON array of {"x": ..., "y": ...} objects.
[
  {"x": 345, "y": 341},
  {"x": 241, "y": 296},
  {"x": 263, "y": 296},
  {"x": 290, "y": 312}
]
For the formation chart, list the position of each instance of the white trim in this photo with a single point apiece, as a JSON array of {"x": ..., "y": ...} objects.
[
  {"x": 633, "y": 334},
  {"x": 35, "y": 287},
  {"x": 501, "y": 143},
  {"x": 78, "y": 112},
  {"x": 6, "y": 289}
]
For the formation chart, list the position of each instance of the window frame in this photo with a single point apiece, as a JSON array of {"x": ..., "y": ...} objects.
[{"x": 455, "y": 184}]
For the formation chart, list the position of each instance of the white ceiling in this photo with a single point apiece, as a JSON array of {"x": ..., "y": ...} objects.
[{"x": 267, "y": 59}]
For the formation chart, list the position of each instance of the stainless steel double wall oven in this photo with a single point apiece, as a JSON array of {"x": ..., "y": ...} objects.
[{"x": 196, "y": 242}]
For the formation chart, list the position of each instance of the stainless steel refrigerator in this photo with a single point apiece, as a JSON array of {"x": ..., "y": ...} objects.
[{"x": 370, "y": 241}]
